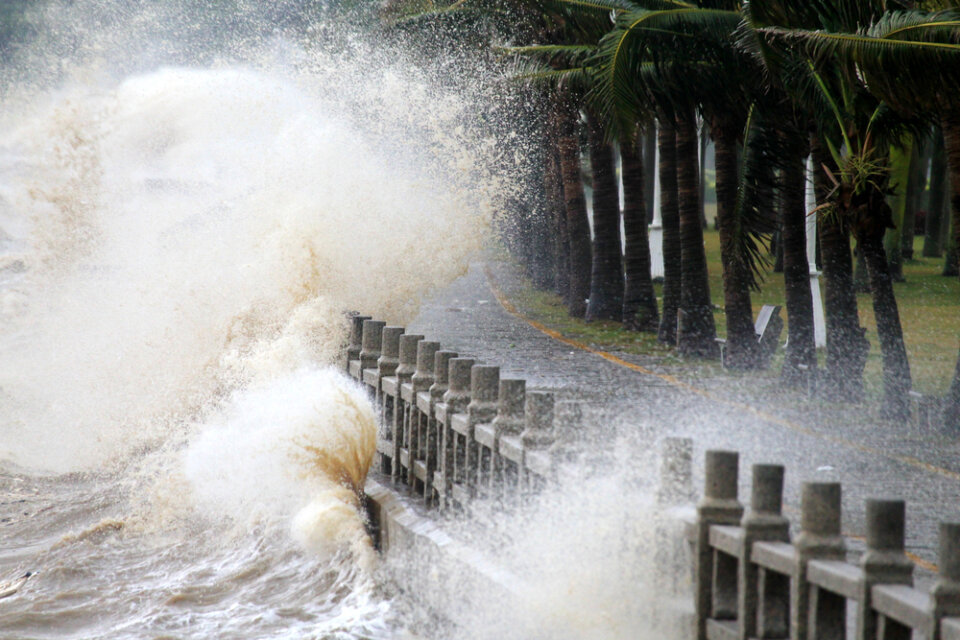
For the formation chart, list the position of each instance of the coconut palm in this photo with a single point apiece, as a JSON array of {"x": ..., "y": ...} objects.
[
  {"x": 697, "y": 67},
  {"x": 857, "y": 60}
]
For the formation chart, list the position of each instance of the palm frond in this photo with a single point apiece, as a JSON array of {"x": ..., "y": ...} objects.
[{"x": 755, "y": 209}]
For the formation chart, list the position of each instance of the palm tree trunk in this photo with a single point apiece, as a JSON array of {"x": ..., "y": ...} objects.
[
  {"x": 606, "y": 279},
  {"x": 541, "y": 234},
  {"x": 561, "y": 250},
  {"x": 847, "y": 346},
  {"x": 670, "y": 216},
  {"x": 741, "y": 350},
  {"x": 896, "y": 368},
  {"x": 915, "y": 186},
  {"x": 578, "y": 227},
  {"x": 900, "y": 158},
  {"x": 639, "y": 300},
  {"x": 696, "y": 331},
  {"x": 950, "y": 124},
  {"x": 649, "y": 153},
  {"x": 801, "y": 349},
  {"x": 933, "y": 239}
]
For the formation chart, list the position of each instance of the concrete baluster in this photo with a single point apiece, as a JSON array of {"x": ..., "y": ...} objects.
[
  {"x": 815, "y": 612},
  {"x": 455, "y": 401},
  {"x": 386, "y": 365},
  {"x": 389, "y": 351},
  {"x": 406, "y": 367},
  {"x": 420, "y": 383},
  {"x": 441, "y": 371},
  {"x": 884, "y": 562},
  {"x": 718, "y": 506},
  {"x": 370, "y": 343},
  {"x": 763, "y": 522},
  {"x": 508, "y": 423},
  {"x": 511, "y": 394},
  {"x": 484, "y": 385},
  {"x": 538, "y": 436},
  {"x": 946, "y": 590},
  {"x": 538, "y": 430},
  {"x": 676, "y": 471},
  {"x": 675, "y": 489},
  {"x": 356, "y": 337}
]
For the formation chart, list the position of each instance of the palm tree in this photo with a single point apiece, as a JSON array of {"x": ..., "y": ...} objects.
[
  {"x": 827, "y": 50},
  {"x": 639, "y": 300},
  {"x": 606, "y": 276},
  {"x": 670, "y": 216},
  {"x": 578, "y": 227}
]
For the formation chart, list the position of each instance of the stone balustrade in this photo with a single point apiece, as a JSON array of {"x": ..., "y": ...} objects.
[
  {"x": 752, "y": 581},
  {"x": 451, "y": 428}
]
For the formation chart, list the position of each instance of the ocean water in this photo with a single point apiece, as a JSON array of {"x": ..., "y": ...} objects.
[{"x": 184, "y": 221}]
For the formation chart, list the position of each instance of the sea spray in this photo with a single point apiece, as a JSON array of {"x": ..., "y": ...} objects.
[
  {"x": 231, "y": 223},
  {"x": 591, "y": 556},
  {"x": 293, "y": 451},
  {"x": 189, "y": 202}
]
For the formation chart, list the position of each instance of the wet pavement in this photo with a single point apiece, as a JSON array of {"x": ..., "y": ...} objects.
[{"x": 627, "y": 412}]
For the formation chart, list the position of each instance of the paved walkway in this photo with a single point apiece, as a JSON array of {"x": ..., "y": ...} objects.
[{"x": 635, "y": 409}]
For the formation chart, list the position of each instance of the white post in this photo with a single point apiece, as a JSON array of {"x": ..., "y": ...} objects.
[
  {"x": 655, "y": 230},
  {"x": 819, "y": 320}
]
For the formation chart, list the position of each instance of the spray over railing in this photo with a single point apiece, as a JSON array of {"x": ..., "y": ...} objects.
[{"x": 452, "y": 428}]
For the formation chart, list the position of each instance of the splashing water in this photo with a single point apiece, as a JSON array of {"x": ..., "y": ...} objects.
[{"x": 179, "y": 243}]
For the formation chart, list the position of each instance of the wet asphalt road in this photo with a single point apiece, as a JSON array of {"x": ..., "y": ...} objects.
[{"x": 632, "y": 411}]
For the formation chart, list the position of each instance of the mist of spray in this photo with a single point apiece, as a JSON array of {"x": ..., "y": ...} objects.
[{"x": 190, "y": 237}]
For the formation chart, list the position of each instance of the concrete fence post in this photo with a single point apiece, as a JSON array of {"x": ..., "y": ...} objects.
[
  {"x": 676, "y": 471},
  {"x": 407, "y": 361},
  {"x": 507, "y": 427},
  {"x": 946, "y": 590},
  {"x": 356, "y": 337},
  {"x": 370, "y": 343},
  {"x": 441, "y": 372},
  {"x": 508, "y": 419},
  {"x": 816, "y": 613},
  {"x": 386, "y": 366},
  {"x": 406, "y": 367},
  {"x": 763, "y": 522},
  {"x": 484, "y": 386},
  {"x": 884, "y": 562},
  {"x": 455, "y": 400},
  {"x": 538, "y": 420},
  {"x": 389, "y": 351},
  {"x": 719, "y": 506},
  {"x": 672, "y": 546},
  {"x": 538, "y": 435},
  {"x": 420, "y": 383},
  {"x": 424, "y": 375}
]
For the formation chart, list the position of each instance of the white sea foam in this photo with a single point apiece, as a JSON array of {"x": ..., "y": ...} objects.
[{"x": 197, "y": 230}]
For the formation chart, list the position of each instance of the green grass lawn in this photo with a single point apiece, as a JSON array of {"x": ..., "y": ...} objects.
[{"x": 929, "y": 310}]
